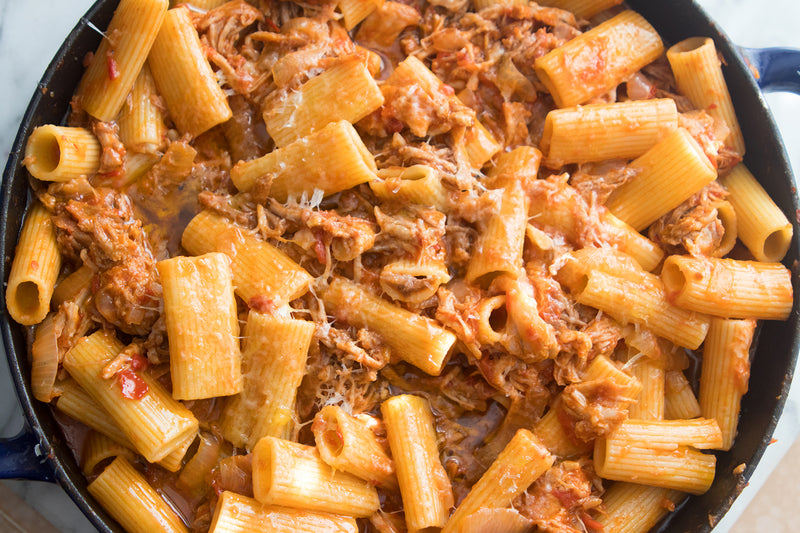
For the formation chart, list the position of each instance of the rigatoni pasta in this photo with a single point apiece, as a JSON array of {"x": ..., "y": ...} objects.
[
  {"x": 184, "y": 77},
  {"x": 130, "y": 499},
  {"x": 681, "y": 468},
  {"x": 35, "y": 268},
  {"x": 669, "y": 173},
  {"x": 319, "y": 281},
  {"x": 319, "y": 102},
  {"x": 79, "y": 405},
  {"x": 288, "y": 474},
  {"x": 651, "y": 402},
  {"x": 98, "y": 448},
  {"x": 729, "y": 288},
  {"x": 119, "y": 58},
  {"x": 418, "y": 184},
  {"x": 613, "y": 282},
  {"x": 427, "y": 496},
  {"x": 58, "y": 153},
  {"x": 274, "y": 356},
  {"x": 263, "y": 276},
  {"x": 634, "y": 508},
  {"x": 762, "y": 227},
  {"x": 141, "y": 121},
  {"x": 679, "y": 398},
  {"x": 150, "y": 418},
  {"x": 416, "y": 339},
  {"x": 626, "y": 41},
  {"x": 606, "y": 131},
  {"x": 698, "y": 73},
  {"x": 354, "y": 11},
  {"x": 583, "y": 8},
  {"x": 203, "y": 330},
  {"x": 522, "y": 461},
  {"x": 725, "y": 374},
  {"x": 331, "y": 159},
  {"x": 238, "y": 514},
  {"x": 499, "y": 247},
  {"x": 348, "y": 443}
]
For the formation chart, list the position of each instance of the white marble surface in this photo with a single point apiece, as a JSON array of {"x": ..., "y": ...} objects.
[{"x": 32, "y": 30}]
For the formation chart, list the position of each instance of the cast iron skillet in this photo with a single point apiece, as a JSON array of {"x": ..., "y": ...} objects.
[{"x": 40, "y": 452}]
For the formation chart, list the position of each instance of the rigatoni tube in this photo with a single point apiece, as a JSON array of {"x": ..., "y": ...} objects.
[
  {"x": 184, "y": 77},
  {"x": 274, "y": 354},
  {"x": 479, "y": 144},
  {"x": 623, "y": 130},
  {"x": 76, "y": 403},
  {"x": 129, "y": 498},
  {"x": 263, "y": 276},
  {"x": 669, "y": 173},
  {"x": 622, "y": 44},
  {"x": 289, "y": 474},
  {"x": 97, "y": 448},
  {"x": 762, "y": 226},
  {"x": 202, "y": 326},
  {"x": 582, "y": 8},
  {"x": 61, "y": 153},
  {"x": 615, "y": 284},
  {"x": 348, "y": 444},
  {"x": 650, "y": 403},
  {"x": 729, "y": 288},
  {"x": 424, "y": 485},
  {"x": 499, "y": 246},
  {"x": 354, "y": 11},
  {"x": 155, "y": 423},
  {"x": 323, "y": 99},
  {"x": 698, "y": 73},
  {"x": 414, "y": 281},
  {"x": 331, "y": 159},
  {"x": 700, "y": 433},
  {"x": 119, "y": 58},
  {"x": 552, "y": 435},
  {"x": 681, "y": 468},
  {"x": 235, "y": 513},
  {"x": 417, "y": 184},
  {"x": 725, "y": 373},
  {"x": 35, "y": 268},
  {"x": 414, "y": 338},
  {"x": 632, "y": 508},
  {"x": 679, "y": 399},
  {"x": 141, "y": 121}
]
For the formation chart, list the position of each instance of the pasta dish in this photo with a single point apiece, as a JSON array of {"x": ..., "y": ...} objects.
[{"x": 395, "y": 265}]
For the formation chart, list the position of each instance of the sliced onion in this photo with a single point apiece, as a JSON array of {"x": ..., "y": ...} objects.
[
  {"x": 194, "y": 474},
  {"x": 44, "y": 363},
  {"x": 235, "y": 473}
]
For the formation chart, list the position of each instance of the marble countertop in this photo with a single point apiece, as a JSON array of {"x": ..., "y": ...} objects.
[{"x": 32, "y": 30}]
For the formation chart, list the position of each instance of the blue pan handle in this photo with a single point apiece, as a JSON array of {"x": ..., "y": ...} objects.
[
  {"x": 778, "y": 68},
  {"x": 21, "y": 458}
]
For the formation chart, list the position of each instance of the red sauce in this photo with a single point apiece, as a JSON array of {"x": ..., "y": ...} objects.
[
  {"x": 139, "y": 362},
  {"x": 111, "y": 64},
  {"x": 131, "y": 385}
]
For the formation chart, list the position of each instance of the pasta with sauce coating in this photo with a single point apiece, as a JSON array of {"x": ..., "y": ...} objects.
[{"x": 369, "y": 294}]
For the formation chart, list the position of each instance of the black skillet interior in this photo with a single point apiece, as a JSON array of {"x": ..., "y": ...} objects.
[{"x": 773, "y": 363}]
